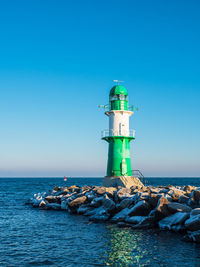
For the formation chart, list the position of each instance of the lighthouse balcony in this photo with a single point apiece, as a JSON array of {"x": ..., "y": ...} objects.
[{"x": 108, "y": 133}]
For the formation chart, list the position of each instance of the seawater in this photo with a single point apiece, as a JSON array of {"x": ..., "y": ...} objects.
[{"x": 34, "y": 237}]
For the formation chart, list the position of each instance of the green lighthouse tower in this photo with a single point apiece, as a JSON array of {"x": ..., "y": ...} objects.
[{"x": 119, "y": 136}]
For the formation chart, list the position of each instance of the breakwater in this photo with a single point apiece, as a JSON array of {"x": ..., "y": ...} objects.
[{"x": 174, "y": 208}]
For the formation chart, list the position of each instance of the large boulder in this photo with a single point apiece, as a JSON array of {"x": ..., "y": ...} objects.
[
  {"x": 84, "y": 209},
  {"x": 195, "y": 212},
  {"x": 161, "y": 210},
  {"x": 126, "y": 203},
  {"x": 196, "y": 195},
  {"x": 90, "y": 195},
  {"x": 108, "y": 204},
  {"x": 51, "y": 199},
  {"x": 42, "y": 204},
  {"x": 144, "y": 196},
  {"x": 178, "y": 207},
  {"x": 155, "y": 190},
  {"x": 86, "y": 188},
  {"x": 193, "y": 223},
  {"x": 64, "y": 205},
  {"x": 97, "y": 202},
  {"x": 74, "y": 188},
  {"x": 146, "y": 223},
  {"x": 77, "y": 202},
  {"x": 100, "y": 215},
  {"x": 110, "y": 191},
  {"x": 188, "y": 188},
  {"x": 176, "y": 193},
  {"x": 124, "y": 193},
  {"x": 142, "y": 208},
  {"x": 120, "y": 216},
  {"x": 176, "y": 218},
  {"x": 153, "y": 200},
  {"x": 100, "y": 190},
  {"x": 183, "y": 199}
]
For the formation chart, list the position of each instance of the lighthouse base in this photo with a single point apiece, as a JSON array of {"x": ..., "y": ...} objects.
[{"x": 124, "y": 181}]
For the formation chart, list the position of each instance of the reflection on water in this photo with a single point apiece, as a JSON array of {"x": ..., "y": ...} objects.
[
  {"x": 122, "y": 247},
  {"x": 127, "y": 247}
]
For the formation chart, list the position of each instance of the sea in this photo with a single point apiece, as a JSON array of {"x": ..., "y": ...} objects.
[{"x": 35, "y": 237}]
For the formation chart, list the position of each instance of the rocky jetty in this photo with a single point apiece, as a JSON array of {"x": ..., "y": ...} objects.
[{"x": 172, "y": 208}]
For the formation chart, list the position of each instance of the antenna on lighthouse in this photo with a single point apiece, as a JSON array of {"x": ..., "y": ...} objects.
[{"x": 118, "y": 82}]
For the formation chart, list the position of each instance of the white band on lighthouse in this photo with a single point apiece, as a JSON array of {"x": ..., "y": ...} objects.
[{"x": 119, "y": 122}]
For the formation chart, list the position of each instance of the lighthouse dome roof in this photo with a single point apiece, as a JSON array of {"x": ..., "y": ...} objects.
[{"x": 118, "y": 90}]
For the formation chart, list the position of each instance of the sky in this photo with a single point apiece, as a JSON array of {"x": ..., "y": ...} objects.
[{"x": 58, "y": 60}]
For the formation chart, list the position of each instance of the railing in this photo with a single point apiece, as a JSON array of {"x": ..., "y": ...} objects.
[
  {"x": 133, "y": 173},
  {"x": 107, "y": 133},
  {"x": 108, "y": 108}
]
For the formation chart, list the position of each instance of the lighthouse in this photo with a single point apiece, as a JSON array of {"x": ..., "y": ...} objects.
[{"x": 119, "y": 137}]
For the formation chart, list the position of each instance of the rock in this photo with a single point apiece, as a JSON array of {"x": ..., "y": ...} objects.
[
  {"x": 78, "y": 201},
  {"x": 193, "y": 223},
  {"x": 56, "y": 188},
  {"x": 168, "y": 197},
  {"x": 146, "y": 223},
  {"x": 161, "y": 210},
  {"x": 100, "y": 214},
  {"x": 36, "y": 200},
  {"x": 177, "y": 207},
  {"x": 85, "y": 188},
  {"x": 177, "y": 218},
  {"x": 135, "y": 219},
  {"x": 196, "y": 195},
  {"x": 90, "y": 195},
  {"x": 124, "y": 193},
  {"x": 84, "y": 208},
  {"x": 42, "y": 204},
  {"x": 176, "y": 193},
  {"x": 51, "y": 199},
  {"x": 183, "y": 199},
  {"x": 53, "y": 206},
  {"x": 110, "y": 191},
  {"x": 155, "y": 190},
  {"x": 126, "y": 203},
  {"x": 74, "y": 188},
  {"x": 64, "y": 205},
  {"x": 108, "y": 204},
  {"x": 65, "y": 189},
  {"x": 189, "y": 188},
  {"x": 195, "y": 212},
  {"x": 136, "y": 197},
  {"x": 153, "y": 200},
  {"x": 144, "y": 196},
  {"x": 192, "y": 237},
  {"x": 142, "y": 208},
  {"x": 99, "y": 217},
  {"x": 100, "y": 190},
  {"x": 97, "y": 202},
  {"x": 169, "y": 186},
  {"x": 120, "y": 216}
]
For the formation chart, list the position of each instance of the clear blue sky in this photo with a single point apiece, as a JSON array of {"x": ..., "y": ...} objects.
[{"x": 57, "y": 63}]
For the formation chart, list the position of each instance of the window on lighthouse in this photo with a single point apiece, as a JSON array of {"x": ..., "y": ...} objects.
[
  {"x": 123, "y": 97},
  {"x": 115, "y": 97}
]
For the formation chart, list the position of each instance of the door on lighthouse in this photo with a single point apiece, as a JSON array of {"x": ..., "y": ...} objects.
[
  {"x": 123, "y": 167},
  {"x": 122, "y": 129}
]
